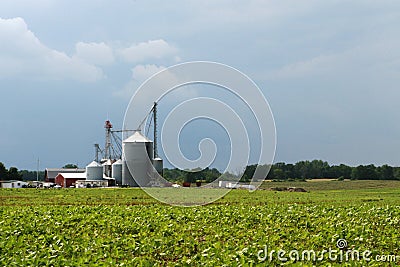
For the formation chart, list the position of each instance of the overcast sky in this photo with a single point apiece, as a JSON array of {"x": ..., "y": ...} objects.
[{"x": 329, "y": 69}]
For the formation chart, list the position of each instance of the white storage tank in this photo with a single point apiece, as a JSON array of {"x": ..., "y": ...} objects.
[
  {"x": 107, "y": 166},
  {"x": 137, "y": 161},
  {"x": 116, "y": 171},
  {"x": 158, "y": 165},
  {"x": 94, "y": 171}
]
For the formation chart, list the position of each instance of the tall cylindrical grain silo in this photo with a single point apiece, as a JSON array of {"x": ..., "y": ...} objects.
[
  {"x": 116, "y": 170},
  {"x": 94, "y": 171},
  {"x": 158, "y": 165},
  {"x": 137, "y": 166}
]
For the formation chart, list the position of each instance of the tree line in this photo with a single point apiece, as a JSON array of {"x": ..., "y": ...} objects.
[
  {"x": 26, "y": 175},
  {"x": 302, "y": 170},
  {"x": 21, "y": 175},
  {"x": 317, "y": 169},
  {"x": 281, "y": 171}
]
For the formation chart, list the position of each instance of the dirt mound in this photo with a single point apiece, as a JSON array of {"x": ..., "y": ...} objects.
[{"x": 289, "y": 189}]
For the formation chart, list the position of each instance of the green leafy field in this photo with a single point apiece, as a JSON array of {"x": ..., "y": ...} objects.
[{"x": 125, "y": 227}]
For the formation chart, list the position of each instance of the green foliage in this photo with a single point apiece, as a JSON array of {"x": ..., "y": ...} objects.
[
  {"x": 81, "y": 227},
  {"x": 248, "y": 173},
  {"x": 362, "y": 172},
  {"x": 10, "y": 174},
  {"x": 13, "y": 174},
  {"x": 301, "y": 170},
  {"x": 320, "y": 169},
  {"x": 280, "y": 171},
  {"x": 176, "y": 175},
  {"x": 3, "y": 171},
  {"x": 31, "y": 175},
  {"x": 396, "y": 173},
  {"x": 385, "y": 172},
  {"x": 70, "y": 166}
]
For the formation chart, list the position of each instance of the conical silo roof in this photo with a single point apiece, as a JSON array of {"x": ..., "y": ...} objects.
[
  {"x": 107, "y": 162},
  {"x": 137, "y": 137},
  {"x": 118, "y": 162},
  {"x": 93, "y": 164}
]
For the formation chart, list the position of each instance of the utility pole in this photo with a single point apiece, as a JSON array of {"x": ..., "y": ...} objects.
[
  {"x": 37, "y": 171},
  {"x": 97, "y": 150}
]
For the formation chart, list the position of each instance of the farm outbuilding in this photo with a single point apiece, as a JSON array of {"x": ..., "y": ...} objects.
[
  {"x": 12, "y": 184},
  {"x": 66, "y": 180},
  {"x": 235, "y": 185},
  {"x": 223, "y": 184},
  {"x": 51, "y": 173},
  {"x": 91, "y": 183}
]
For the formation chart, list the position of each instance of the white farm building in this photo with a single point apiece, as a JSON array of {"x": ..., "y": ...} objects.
[{"x": 12, "y": 184}]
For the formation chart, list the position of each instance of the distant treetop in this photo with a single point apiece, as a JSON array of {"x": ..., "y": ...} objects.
[{"x": 70, "y": 166}]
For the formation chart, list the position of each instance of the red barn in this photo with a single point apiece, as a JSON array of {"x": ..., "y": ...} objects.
[
  {"x": 50, "y": 174},
  {"x": 68, "y": 179}
]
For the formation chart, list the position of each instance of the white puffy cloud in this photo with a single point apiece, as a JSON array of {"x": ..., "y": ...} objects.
[
  {"x": 139, "y": 74},
  {"x": 318, "y": 65},
  {"x": 142, "y": 72},
  {"x": 150, "y": 50},
  {"x": 365, "y": 61},
  {"x": 95, "y": 53},
  {"x": 22, "y": 53}
]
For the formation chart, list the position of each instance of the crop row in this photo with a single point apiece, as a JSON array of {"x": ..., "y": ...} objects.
[{"x": 147, "y": 235}]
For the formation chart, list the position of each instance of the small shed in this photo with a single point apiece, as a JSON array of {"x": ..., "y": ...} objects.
[{"x": 223, "y": 184}]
